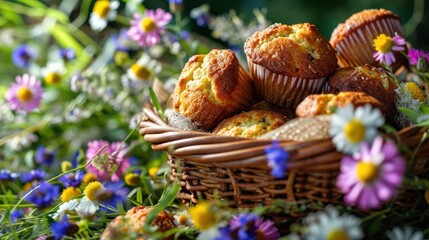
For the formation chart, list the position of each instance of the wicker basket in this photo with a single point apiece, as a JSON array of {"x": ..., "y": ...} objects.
[{"x": 234, "y": 169}]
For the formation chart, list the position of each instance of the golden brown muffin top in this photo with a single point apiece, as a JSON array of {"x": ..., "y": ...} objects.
[
  {"x": 319, "y": 104},
  {"x": 133, "y": 222},
  {"x": 368, "y": 79},
  {"x": 216, "y": 74},
  {"x": 212, "y": 87},
  {"x": 250, "y": 124},
  {"x": 297, "y": 50},
  {"x": 359, "y": 20}
]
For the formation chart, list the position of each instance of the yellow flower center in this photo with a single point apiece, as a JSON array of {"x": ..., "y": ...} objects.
[
  {"x": 153, "y": 171},
  {"x": 89, "y": 177},
  {"x": 182, "y": 219},
  {"x": 140, "y": 71},
  {"x": 148, "y": 24},
  {"x": 52, "y": 78},
  {"x": 102, "y": 8},
  {"x": 366, "y": 171},
  {"x": 204, "y": 217},
  {"x": 338, "y": 234},
  {"x": 354, "y": 131},
  {"x": 132, "y": 179},
  {"x": 415, "y": 91},
  {"x": 91, "y": 191},
  {"x": 24, "y": 94},
  {"x": 69, "y": 193},
  {"x": 383, "y": 43}
]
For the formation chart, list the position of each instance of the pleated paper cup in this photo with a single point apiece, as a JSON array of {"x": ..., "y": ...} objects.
[
  {"x": 284, "y": 91},
  {"x": 356, "y": 48}
]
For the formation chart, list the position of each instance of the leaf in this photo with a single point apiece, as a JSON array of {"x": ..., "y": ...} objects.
[
  {"x": 156, "y": 103},
  {"x": 168, "y": 196},
  {"x": 424, "y": 109},
  {"x": 413, "y": 115}
]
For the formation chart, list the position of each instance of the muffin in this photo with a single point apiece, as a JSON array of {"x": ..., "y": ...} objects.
[
  {"x": 250, "y": 124},
  {"x": 353, "y": 40},
  {"x": 368, "y": 79},
  {"x": 318, "y": 104},
  {"x": 213, "y": 87},
  {"x": 132, "y": 224},
  {"x": 288, "y": 63}
]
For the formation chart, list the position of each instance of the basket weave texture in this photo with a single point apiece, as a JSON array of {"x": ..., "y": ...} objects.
[{"x": 235, "y": 169}]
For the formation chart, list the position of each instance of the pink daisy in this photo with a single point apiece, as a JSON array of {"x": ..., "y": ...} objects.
[
  {"x": 146, "y": 30},
  {"x": 25, "y": 94},
  {"x": 385, "y": 46},
  {"x": 372, "y": 175},
  {"x": 111, "y": 163}
]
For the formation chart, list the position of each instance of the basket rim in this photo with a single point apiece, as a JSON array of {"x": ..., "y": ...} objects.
[{"x": 204, "y": 148}]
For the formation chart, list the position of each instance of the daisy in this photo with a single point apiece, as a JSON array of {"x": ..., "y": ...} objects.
[
  {"x": 183, "y": 218},
  {"x": 372, "y": 175},
  {"x": 349, "y": 128},
  {"x": 330, "y": 225},
  {"x": 385, "y": 46},
  {"x": 404, "y": 234},
  {"x": 25, "y": 94},
  {"x": 144, "y": 69},
  {"x": 53, "y": 72},
  {"x": 146, "y": 30},
  {"x": 66, "y": 208},
  {"x": 103, "y": 11}
]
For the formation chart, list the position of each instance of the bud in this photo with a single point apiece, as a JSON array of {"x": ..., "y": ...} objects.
[
  {"x": 176, "y": 5},
  {"x": 132, "y": 179},
  {"x": 422, "y": 65},
  {"x": 121, "y": 58},
  {"x": 65, "y": 166}
]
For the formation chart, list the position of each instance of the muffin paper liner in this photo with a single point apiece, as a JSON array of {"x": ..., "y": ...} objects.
[
  {"x": 284, "y": 91},
  {"x": 356, "y": 49}
]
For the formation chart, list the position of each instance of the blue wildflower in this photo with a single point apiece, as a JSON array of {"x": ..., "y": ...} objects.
[
  {"x": 72, "y": 179},
  {"x": 201, "y": 15},
  {"x": 6, "y": 175},
  {"x": 22, "y": 55},
  {"x": 45, "y": 157},
  {"x": 277, "y": 159},
  {"x": 44, "y": 195},
  {"x": 122, "y": 41},
  {"x": 175, "y": 1},
  {"x": 224, "y": 233},
  {"x": 15, "y": 215},
  {"x": 67, "y": 54},
  {"x": 63, "y": 228},
  {"x": 113, "y": 194},
  {"x": 33, "y": 175},
  {"x": 244, "y": 224}
]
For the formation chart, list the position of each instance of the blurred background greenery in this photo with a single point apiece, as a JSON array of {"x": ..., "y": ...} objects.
[{"x": 325, "y": 14}]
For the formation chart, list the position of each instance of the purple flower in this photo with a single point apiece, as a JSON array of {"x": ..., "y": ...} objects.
[
  {"x": 63, "y": 228},
  {"x": 67, "y": 54},
  {"x": 44, "y": 195},
  {"x": 372, "y": 175},
  {"x": 122, "y": 41},
  {"x": 42, "y": 156},
  {"x": 15, "y": 215},
  {"x": 111, "y": 163},
  {"x": 385, "y": 46},
  {"x": 201, "y": 15},
  {"x": 415, "y": 54},
  {"x": 146, "y": 30},
  {"x": 251, "y": 226},
  {"x": 25, "y": 94},
  {"x": 22, "y": 55},
  {"x": 6, "y": 175},
  {"x": 33, "y": 175},
  {"x": 72, "y": 179},
  {"x": 175, "y": 1},
  {"x": 277, "y": 159}
]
